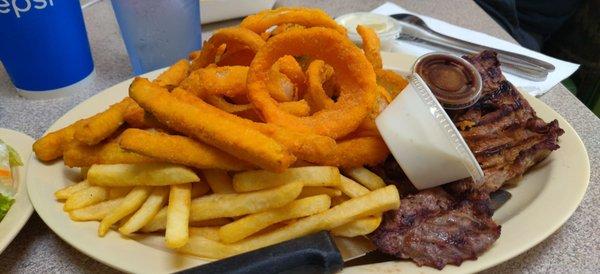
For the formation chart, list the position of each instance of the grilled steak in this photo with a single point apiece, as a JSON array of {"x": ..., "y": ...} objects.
[
  {"x": 502, "y": 130},
  {"x": 433, "y": 229}
]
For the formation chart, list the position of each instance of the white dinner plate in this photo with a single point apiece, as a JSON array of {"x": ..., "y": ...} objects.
[
  {"x": 21, "y": 210},
  {"x": 544, "y": 199}
]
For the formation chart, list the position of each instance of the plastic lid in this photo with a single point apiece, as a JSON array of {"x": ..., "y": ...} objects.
[{"x": 454, "y": 81}]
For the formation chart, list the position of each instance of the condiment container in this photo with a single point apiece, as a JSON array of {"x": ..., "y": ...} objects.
[
  {"x": 386, "y": 27},
  {"x": 420, "y": 134}
]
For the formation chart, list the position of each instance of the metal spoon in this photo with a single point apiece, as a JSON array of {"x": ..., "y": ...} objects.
[{"x": 415, "y": 29}]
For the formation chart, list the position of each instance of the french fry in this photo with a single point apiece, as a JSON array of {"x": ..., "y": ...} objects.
[
  {"x": 86, "y": 197},
  {"x": 147, "y": 211},
  {"x": 130, "y": 204},
  {"x": 178, "y": 215},
  {"x": 174, "y": 74},
  {"x": 209, "y": 232},
  {"x": 351, "y": 188},
  {"x": 116, "y": 192},
  {"x": 102, "y": 125},
  {"x": 199, "y": 189},
  {"x": 219, "y": 181},
  {"x": 159, "y": 222},
  {"x": 336, "y": 200},
  {"x": 95, "y": 212},
  {"x": 149, "y": 174},
  {"x": 179, "y": 150},
  {"x": 232, "y": 137},
  {"x": 374, "y": 202},
  {"x": 308, "y": 191},
  {"x": 65, "y": 193},
  {"x": 83, "y": 171},
  {"x": 211, "y": 222},
  {"x": 362, "y": 226},
  {"x": 201, "y": 246},
  {"x": 308, "y": 176},
  {"x": 365, "y": 177},
  {"x": 232, "y": 205},
  {"x": 81, "y": 155},
  {"x": 253, "y": 223}
]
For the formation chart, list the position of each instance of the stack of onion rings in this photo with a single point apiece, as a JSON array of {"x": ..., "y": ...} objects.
[
  {"x": 296, "y": 73},
  {"x": 353, "y": 71}
]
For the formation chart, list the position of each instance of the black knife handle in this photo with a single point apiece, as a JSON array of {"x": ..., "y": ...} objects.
[{"x": 314, "y": 253}]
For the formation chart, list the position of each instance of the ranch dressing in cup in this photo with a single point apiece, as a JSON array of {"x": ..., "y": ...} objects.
[
  {"x": 418, "y": 131},
  {"x": 387, "y": 29}
]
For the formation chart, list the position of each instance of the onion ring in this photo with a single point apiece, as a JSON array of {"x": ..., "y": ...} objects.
[
  {"x": 220, "y": 102},
  {"x": 230, "y": 36},
  {"x": 353, "y": 72},
  {"x": 308, "y": 17},
  {"x": 286, "y": 79},
  {"x": 393, "y": 82},
  {"x": 318, "y": 73},
  {"x": 371, "y": 45},
  {"x": 229, "y": 81},
  {"x": 194, "y": 54},
  {"x": 241, "y": 57},
  {"x": 296, "y": 108},
  {"x": 280, "y": 29}
]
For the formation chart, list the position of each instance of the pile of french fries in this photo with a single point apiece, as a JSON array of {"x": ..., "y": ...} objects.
[{"x": 215, "y": 214}]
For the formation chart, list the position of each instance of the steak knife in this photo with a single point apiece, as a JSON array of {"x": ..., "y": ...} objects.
[{"x": 414, "y": 29}]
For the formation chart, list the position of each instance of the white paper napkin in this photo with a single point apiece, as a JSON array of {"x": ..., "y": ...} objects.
[{"x": 562, "y": 71}]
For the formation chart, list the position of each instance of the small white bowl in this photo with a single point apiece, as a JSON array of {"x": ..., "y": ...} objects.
[{"x": 423, "y": 139}]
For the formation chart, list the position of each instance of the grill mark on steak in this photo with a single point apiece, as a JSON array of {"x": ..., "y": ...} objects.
[
  {"x": 507, "y": 137},
  {"x": 433, "y": 229}
]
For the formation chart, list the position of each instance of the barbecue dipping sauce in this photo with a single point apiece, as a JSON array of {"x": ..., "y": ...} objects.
[{"x": 454, "y": 82}]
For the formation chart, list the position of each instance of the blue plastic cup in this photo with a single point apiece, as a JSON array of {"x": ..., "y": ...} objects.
[
  {"x": 44, "y": 46},
  {"x": 157, "y": 33}
]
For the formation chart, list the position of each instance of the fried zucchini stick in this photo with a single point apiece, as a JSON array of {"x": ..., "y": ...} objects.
[
  {"x": 208, "y": 126},
  {"x": 137, "y": 117},
  {"x": 103, "y": 124},
  {"x": 309, "y": 147},
  {"x": 52, "y": 145},
  {"x": 357, "y": 152},
  {"x": 81, "y": 155},
  {"x": 180, "y": 150}
]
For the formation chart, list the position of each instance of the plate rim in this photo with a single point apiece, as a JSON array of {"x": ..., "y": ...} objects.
[
  {"x": 114, "y": 262},
  {"x": 22, "y": 196}
]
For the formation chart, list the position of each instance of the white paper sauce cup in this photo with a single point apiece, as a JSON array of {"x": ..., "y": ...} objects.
[{"x": 423, "y": 139}]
